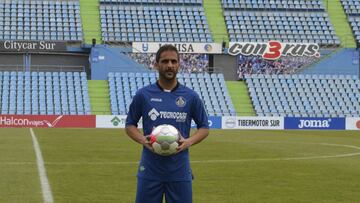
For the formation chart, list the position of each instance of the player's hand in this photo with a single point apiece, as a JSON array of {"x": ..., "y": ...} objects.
[
  {"x": 147, "y": 143},
  {"x": 183, "y": 144}
]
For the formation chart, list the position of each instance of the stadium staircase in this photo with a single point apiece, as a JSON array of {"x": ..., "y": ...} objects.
[
  {"x": 240, "y": 98},
  {"x": 90, "y": 17},
  {"x": 99, "y": 97},
  {"x": 215, "y": 17},
  {"x": 341, "y": 25}
]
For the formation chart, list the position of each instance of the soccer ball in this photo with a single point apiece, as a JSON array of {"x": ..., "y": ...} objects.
[{"x": 164, "y": 139}]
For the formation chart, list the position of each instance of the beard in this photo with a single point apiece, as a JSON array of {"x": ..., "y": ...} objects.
[{"x": 168, "y": 75}]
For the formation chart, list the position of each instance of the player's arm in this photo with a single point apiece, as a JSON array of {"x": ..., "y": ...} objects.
[
  {"x": 133, "y": 117},
  {"x": 200, "y": 117},
  {"x": 134, "y": 133},
  {"x": 196, "y": 138}
]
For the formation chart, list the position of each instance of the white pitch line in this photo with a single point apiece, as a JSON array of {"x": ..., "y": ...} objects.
[
  {"x": 213, "y": 161},
  {"x": 45, "y": 186}
]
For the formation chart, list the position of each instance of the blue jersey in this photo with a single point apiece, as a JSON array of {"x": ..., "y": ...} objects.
[{"x": 178, "y": 107}]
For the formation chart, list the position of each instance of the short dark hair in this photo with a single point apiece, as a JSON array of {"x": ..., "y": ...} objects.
[{"x": 167, "y": 47}]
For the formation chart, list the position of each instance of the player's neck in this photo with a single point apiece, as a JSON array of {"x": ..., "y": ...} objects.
[{"x": 167, "y": 84}]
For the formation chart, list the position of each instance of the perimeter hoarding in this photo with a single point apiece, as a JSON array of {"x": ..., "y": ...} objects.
[
  {"x": 47, "y": 121},
  {"x": 352, "y": 123},
  {"x": 214, "y": 122},
  {"x": 114, "y": 121},
  {"x": 118, "y": 121},
  {"x": 188, "y": 48},
  {"x": 304, "y": 123},
  {"x": 260, "y": 123},
  {"x": 110, "y": 121}
]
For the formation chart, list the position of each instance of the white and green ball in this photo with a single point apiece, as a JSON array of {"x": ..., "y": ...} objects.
[{"x": 166, "y": 139}]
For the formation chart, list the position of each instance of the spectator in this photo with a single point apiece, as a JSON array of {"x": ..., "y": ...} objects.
[{"x": 284, "y": 65}]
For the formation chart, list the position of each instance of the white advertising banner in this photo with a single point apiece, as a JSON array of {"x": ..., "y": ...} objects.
[
  {"x": 352, "y": 123},
  {"x": 259, "y": 123},
  {"x": 189, "y": 48},
  {"x": 112, "y": 121}
]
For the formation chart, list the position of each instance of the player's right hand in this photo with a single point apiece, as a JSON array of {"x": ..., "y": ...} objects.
[{"x": 148, "y": 141}]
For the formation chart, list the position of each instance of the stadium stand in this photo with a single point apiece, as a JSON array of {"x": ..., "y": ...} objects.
[
  {"x": 146, "y": 21},
  {"x": 210, "y": 87},
  {"x": 284, "y": 65},
  {"x": 305, "y": 5},
  {"x": 44, "y": 93},
  {"x": 40, "y": 20},
  {"x": 305, "y": 23},
  {"x": 181, "y": 2},
  {"x": 305, "y": 95},
  {"x": 352, "y": 9}
]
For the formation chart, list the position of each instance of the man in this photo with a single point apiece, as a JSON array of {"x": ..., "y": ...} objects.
[{"x": 166, "y": 102}]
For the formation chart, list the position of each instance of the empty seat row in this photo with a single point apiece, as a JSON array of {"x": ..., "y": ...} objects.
[
  {"x": 42, "y": 18},
  {"x": 153, "y": 23},
  {"x": 210, "y": 87},
  {"x": 163, "y": 2},
  {"x": 293, "y": 27},
  {"x": 273, "y": 4},
  {"x": 44, "y": 93},
  {"x": 305, "y": 95}
]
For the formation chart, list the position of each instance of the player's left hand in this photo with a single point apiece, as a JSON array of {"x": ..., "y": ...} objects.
[{"x": 183, "y": 144}]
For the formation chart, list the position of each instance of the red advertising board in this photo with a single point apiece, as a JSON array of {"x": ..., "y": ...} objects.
[{"x": 44, "y": 121}]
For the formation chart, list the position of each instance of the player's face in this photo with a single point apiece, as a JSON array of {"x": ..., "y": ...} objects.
[{"x": 168, "y": 65}]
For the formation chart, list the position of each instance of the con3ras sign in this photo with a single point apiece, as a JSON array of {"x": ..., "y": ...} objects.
[
  {"x": 315, "y": 123},
  {"x": 273, "y": 50}
]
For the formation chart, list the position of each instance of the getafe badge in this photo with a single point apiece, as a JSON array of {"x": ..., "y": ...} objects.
[{"x": 180, "y": 101}]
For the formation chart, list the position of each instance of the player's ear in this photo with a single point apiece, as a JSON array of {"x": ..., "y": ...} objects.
[{"x": 156, "y": 65}]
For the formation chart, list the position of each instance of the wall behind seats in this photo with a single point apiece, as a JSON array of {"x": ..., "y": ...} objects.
[
  {"x": 46, "y": 60},
  {"x": 11, "y": 60},
  {"x": 226, "y": 64},
  {"x": 74, "y": 60}
]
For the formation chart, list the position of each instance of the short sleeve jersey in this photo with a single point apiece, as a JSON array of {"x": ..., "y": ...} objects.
[{"x": 177, "y": 107}]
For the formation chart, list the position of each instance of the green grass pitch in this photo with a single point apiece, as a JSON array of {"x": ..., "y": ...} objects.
[{"x": 97, "y": 165}]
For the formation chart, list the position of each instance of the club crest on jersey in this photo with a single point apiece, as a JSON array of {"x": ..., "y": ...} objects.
[{"x": 180, "y": 101}]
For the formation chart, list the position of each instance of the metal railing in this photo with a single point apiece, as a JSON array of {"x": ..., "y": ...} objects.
[
  {"x": 57, "y": 68},
  {"x": 44, "y": 68}
]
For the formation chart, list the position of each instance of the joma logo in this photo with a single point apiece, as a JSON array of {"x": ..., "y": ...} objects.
[{"x": 314, "y": 123}]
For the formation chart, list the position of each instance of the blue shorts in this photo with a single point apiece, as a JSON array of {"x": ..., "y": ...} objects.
[{"x": 149, "y": 191}]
